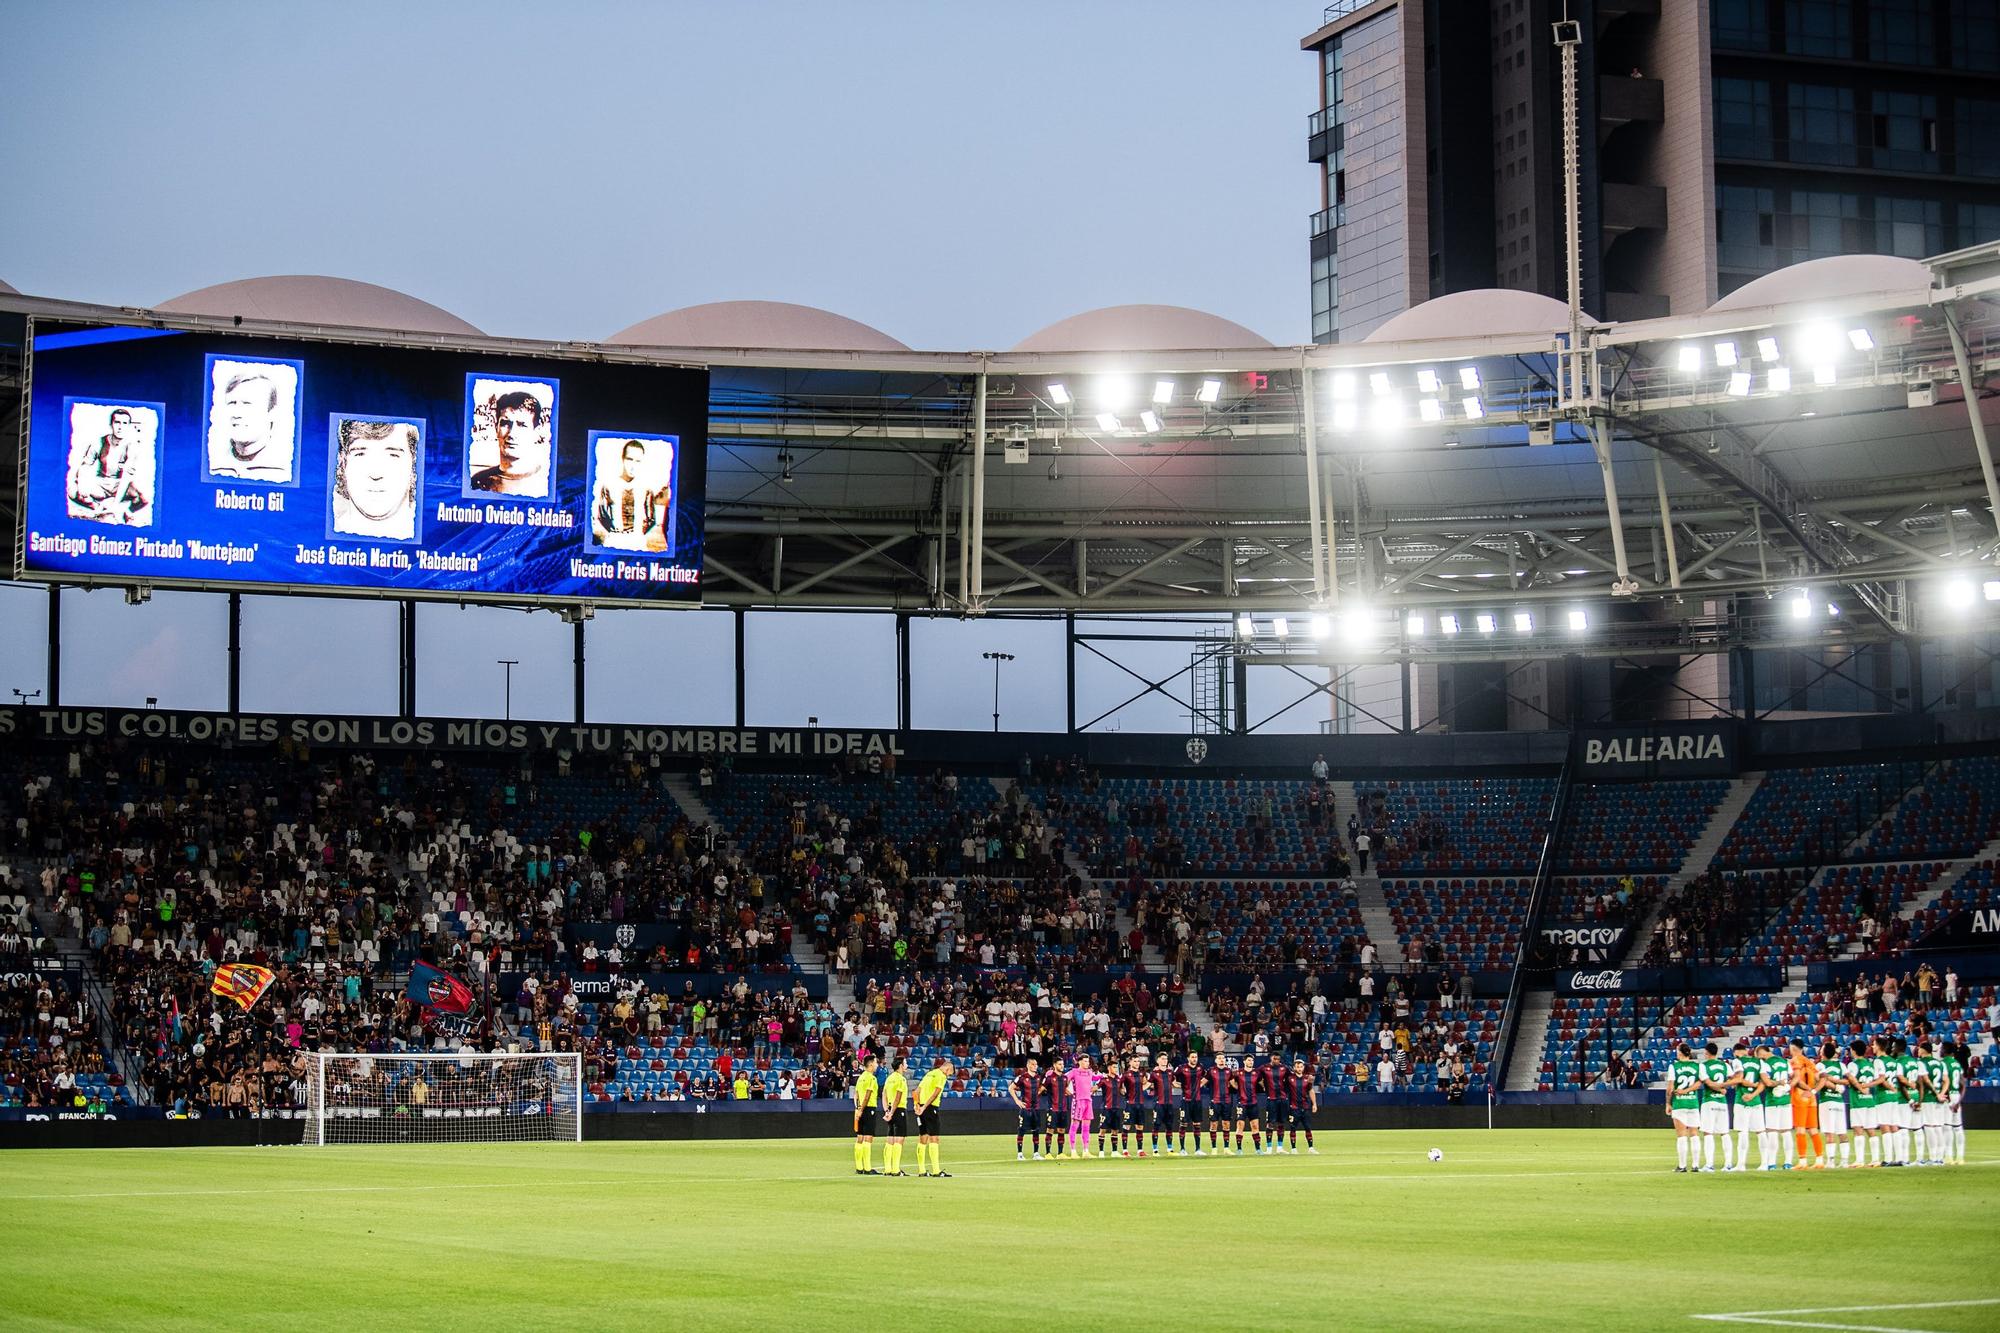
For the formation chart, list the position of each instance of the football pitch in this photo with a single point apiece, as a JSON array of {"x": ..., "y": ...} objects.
[{"x": 1514, "y": 1228}]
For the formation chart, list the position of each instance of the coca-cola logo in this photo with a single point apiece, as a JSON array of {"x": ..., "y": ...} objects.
[{"x": 1610, "y": 979}]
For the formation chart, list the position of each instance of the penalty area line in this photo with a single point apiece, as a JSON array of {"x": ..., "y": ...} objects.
[{"x": 1777, "y": 1319}]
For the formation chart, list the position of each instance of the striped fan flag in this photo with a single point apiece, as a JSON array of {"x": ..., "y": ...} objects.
[{"x": 241, "y": 982}]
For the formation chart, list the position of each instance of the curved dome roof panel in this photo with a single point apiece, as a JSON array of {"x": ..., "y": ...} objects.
[
  {"x": 757, "y": 324},
  {"x": 311, "y": 299},
  {"x": 1833, "y": 278},
  {"x": 1481, "y": 312},
  {"x": 1141, "y": 328}
]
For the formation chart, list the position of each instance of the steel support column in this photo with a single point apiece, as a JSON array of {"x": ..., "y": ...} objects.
[
  {"x": 1309, "y": 424},
  {"x": 739, "y": 666},
  {"x": 979, "y": 491},
  {"x": 235, "y": 652},
  {"x": 1601, "y": 438},
  {"x": 1069, "y": 667},
  {"x": 1970, "y": 390},
  {"x": 902, "y": 671},
  {"x": 576, "y": 666},
  {"x": 55, "y": 645},
  {"x": 406, "y": 666},
  {"x": 1667, "y": 523}
]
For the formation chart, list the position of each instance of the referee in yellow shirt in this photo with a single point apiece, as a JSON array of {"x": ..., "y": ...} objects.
[
  {"x": 867, "y": 1091},
  {"x": 896, "y": 1116},
  {"x": 930, "y": 1095}
]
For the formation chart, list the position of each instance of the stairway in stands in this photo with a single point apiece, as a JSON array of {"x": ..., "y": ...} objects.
[
  {"x": 1767, "y": 1012},
  {"x": 1952, "y": 873},
  {"x": 1699, "y": 857},
  {"x": 1369, "y": 899},
  {"x": 1524, "y": 1069},
  {"x": 839, "y": 994}
]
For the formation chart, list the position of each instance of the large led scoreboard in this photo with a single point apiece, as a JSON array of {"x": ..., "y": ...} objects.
[{"x": 190, "y": 458}]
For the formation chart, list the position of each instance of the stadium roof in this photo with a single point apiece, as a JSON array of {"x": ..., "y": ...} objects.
[
  {"x": 1158, "y": 457},
  {"x": 1483, "y": 312},
  {"x": 756, "y": 324},
  {"x": 311, "y": 299},
  {"x": 1140, "y": 328},
  {"x": 8, "y": 289}
]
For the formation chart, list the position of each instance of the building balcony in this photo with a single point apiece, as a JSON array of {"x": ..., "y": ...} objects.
[
  {"x": 1622, "y": 99},
  {"x": 1324, "y": 134},
  {"x": 1630, "y": 207},
  {"x": 1327, "y": 219}
]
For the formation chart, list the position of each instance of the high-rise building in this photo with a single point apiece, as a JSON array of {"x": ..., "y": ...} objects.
[{"x": 1719, "y": 140}]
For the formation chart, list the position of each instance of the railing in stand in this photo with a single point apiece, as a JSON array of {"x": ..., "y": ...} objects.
[{"x": 1510, "y": 1014}]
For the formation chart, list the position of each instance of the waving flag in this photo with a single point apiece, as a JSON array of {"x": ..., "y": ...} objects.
[
  {"x": 438, "y": 990},
  {"x": 244, "y": 983}
]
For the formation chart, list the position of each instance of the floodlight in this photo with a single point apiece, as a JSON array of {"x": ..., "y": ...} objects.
[
  {"x": 1059, "y": 394},
  {"x": 1739, "y": 383},
  {"x": 1725, "y": 354},
  {"x": 1801, "y": 606},
  {"x": 1414, "y": 626},
  {"x": 1343, "y": 384},
  {"x": 1819, "y": 343},
  {"x": 1779, "y": 378},
  {"x": 1430, "y": 409},
  {"x": 1474, "y": 409},
  {"x": 1427, "y": 380},
  {"x": 1345, "y": 415},
  {"x": 1321, "y": 627},
  {"x": 1107, "y": 421},
  {"x": 1114, "y": 392},
  {"x": 1524, "y": 622},
  {"x": 1448, "y": 623},
  {"x": 1833, "y": 610},
  {"x": 1210, "y": 391},
  {"x": 1690, "y": 359},
  {"x": 1861, "y": 340},
  {"x": 1767, "y": 349},
  {"x": 1468, "y": 378},
  {"x": 1823, "y": 373},
  {"x": 1281, "y": 627},
  {"x": 1579, "y": 620},
  {"x": 1163, "y": 391},
  {"x": 1486, "y": 621},
  {"x": 1378, "y": 382},
  {"x": 1992, "y": 590},
  {"x": 1959, "y": 594},
  {"x": 1150, "y": 420},
  {"x": 1357, "y": 625},
  {"x": 1245, "y": 627},
  {"x": 1386, "y": 413}
]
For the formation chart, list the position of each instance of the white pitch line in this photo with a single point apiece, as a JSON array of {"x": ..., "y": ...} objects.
[{"x": 1767, "y": 1317}]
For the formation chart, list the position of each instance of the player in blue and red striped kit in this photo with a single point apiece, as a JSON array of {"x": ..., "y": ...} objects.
[
  {"x": 1302, "y": 1094},
  {"x": 1152, "y": 1105},
  {"x": 1214, "y": 1088},
  {"x": 1111, "y": 1115},
  {"x": 1182, "y": 1107},
  {"x": 1028, "y": 1092},
  {"x": 1055, "y": 1089}
]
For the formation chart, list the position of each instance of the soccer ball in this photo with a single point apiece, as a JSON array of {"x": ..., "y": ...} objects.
[{"x": 1437, "y": 1154}]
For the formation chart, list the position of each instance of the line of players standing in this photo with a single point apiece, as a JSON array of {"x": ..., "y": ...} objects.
[{"x": 1170, "y": 1106}]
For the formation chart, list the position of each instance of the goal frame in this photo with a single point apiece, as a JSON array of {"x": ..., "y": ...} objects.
[{"x": 316, "y": 1109}]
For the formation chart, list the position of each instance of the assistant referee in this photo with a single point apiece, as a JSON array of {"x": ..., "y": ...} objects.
[
  {"x": 867, "y": 1091},
  {"x": 930, "y": 1093}
]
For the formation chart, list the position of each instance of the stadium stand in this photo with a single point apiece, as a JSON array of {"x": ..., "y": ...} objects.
[{"x": 1636, "y": 828}]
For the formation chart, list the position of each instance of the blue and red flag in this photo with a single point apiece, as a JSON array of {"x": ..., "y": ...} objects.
[{"x": 438, "y": 990}]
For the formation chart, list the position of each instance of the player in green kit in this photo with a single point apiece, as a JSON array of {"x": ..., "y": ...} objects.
[
  {"x": 1777, "y": 1104},
  {"x": 1935, "y": 1087},
  {"x": 1891, "y": 1111},
  {"x": 1954, "y": 1106},
  {"x": 1867, "y": 1117},
  {"x": 1746, "y": 1073},
  {"x": 1833, "y": 1106},
  {"x": 1714, "y": 1105},
  {"x": 1684, "y": 1107}
]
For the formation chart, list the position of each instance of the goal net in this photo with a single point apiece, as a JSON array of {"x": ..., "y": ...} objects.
[{"x": 444, "y": 1097}]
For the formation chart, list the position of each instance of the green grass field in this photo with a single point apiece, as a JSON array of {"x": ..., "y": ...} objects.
[{"x": 1577, "y": 1229}]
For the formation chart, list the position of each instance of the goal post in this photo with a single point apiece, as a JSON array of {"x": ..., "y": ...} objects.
[{"x": 444, "y": 1097}]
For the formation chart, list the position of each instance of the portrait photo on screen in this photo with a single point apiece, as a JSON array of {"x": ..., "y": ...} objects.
[
  {"x": 375, "y": 467},
  {"x": 510, "y": 428},
  {"x": 632, "y": 492},
  {"x": 251, "y": 408},
  {"x": 114, "y": 456}
]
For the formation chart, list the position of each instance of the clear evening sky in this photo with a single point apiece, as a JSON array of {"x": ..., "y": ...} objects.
[{"x": 956, "y": 175}]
